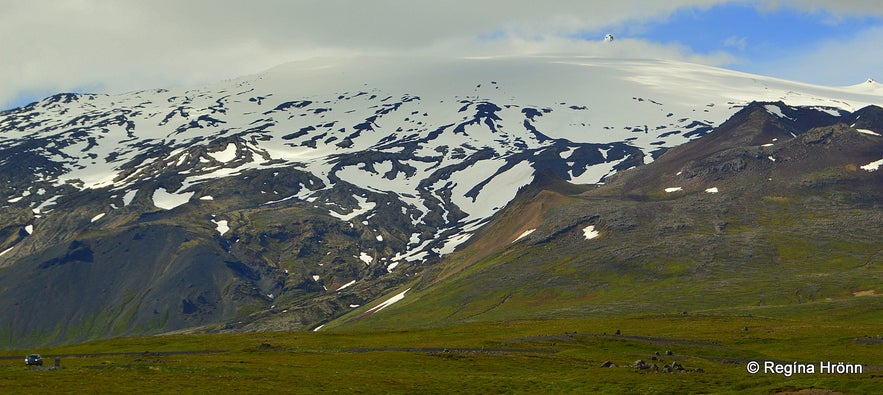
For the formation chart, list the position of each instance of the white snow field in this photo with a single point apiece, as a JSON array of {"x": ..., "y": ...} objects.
[{"x": 478, "y": 128}]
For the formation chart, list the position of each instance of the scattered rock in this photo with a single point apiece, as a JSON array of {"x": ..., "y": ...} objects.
[
  {"x": 608, "y": 364},
  {"x": 641, "y": 365}
]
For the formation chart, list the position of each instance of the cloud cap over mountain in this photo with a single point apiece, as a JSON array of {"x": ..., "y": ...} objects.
[{"x": 116, "y": 46}]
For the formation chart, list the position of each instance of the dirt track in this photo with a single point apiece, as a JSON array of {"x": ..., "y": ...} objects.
[{"x": 49, "y": 357}]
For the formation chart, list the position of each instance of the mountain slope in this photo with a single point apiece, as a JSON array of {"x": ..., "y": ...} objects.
[
  {"x": 282, "y": 200},
  {"x": 743, "y": 217}
]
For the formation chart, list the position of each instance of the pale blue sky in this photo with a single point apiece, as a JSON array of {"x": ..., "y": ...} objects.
[
  {"x": 761, "y": 41},
  {"x": 113, "y": 46}
]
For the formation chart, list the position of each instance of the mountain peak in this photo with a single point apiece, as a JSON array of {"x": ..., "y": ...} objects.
[
  {"x": 870, "y": 118},
  {"x": 760, "y": 140}
]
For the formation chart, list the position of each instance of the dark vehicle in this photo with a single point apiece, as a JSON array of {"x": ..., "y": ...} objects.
[{"x": 34, "y": 359}]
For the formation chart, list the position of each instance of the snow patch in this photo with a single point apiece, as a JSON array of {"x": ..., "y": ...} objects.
[
  {"x": 129, "y": 196},
  {"x": 366, "y": 258},
  {"x": 673, "y": 189},
  {"x": 828, "y": 110},
  {"x": 568, "y": 152},
  {"x": 453, "y": 242},
  {"x": 167, "y": 201},
  {"x": 346, "y": 285},
  {"x": 590, "y": 233},
  {"x": 873, "y": 166},
  {"x": 6, "y": 250},
  {"x": 207, "y": 198},
  {"x": 51, "y": 202},
  {"x": 364, "y": 207},
  {"x": 29, "y": 229},
  {"x": 712, "y": 190},
  {"x": 525, "y": 234},
  {"x": 97, "y": 217},
  {"x": 868, "y": 132},
  {"x": 595, "y": 173},
  {"x": 318, "y": 327},
  {"x": 499, "y": 190},
  {"x": 775, "y": 110},
  {"x": 228, "y": 154},
  {"x": 392, "y": 266},
  {"x": 389, "y": 302},
  {"x": 379, "y": 238},
  {"x": 221, "y": 226}
]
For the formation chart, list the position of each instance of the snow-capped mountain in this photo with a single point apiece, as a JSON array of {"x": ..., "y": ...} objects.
[
  {"x": 402, "y": 158},
  {"x": 778, "y": 208},
  {"x": 453, "y": 137}
]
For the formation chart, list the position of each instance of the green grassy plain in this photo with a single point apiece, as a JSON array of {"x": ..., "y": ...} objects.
[{"x": 535, "y": 356}]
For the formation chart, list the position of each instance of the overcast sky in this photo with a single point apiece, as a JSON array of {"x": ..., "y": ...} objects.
[{"x": 114, "y": 46}]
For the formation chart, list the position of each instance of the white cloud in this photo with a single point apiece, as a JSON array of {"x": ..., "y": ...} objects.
[
  {"x": 839, "y": 8},
  {"x": 120, "y": 45},
  {"x": 832, "y": 62},
  {"x": 514, "y": 45},
  {"x": 739, "y": 43}
]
